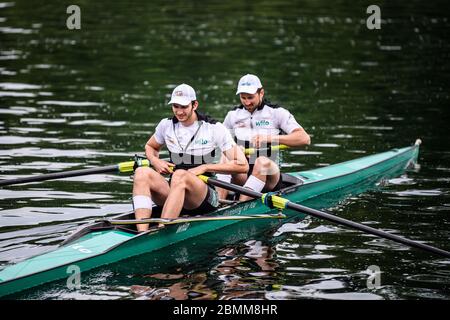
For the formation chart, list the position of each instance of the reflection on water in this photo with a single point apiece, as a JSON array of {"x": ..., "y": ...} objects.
[
  {"x": 79, "y": 99},
  {"x": 236, "y": 276}
]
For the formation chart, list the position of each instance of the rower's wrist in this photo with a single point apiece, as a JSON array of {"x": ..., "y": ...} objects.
[
  {"x": 271, "y": 139},
  {"x": 152, "y": 159}
]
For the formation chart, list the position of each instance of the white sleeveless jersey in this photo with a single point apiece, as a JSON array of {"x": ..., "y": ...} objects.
[
  {"x": 198, "y": 139},
  {"x": 268, "y": 120}
]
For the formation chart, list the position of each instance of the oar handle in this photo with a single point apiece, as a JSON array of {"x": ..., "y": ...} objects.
[
  {"x": 129, "y": 166},
  {"x": 250, "y": 151}
]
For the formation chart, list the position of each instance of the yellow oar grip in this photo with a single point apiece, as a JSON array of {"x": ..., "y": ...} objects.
[
  {"x": 203, "y": 178},
  {"x": 250, "y": 151},
  {"x": 281, "y": 147},
  {"x": 129, "y": 165},
  {"x": 277, "y": 202}
]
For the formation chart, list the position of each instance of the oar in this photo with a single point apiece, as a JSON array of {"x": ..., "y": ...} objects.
[
  {"x": 250, "y": 151},
  {"x": 282, "y": 203},
  {"x": 120, "y": 167},
  {"x": 195, "y": 219}
]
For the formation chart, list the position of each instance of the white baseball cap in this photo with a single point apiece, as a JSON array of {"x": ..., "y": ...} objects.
[
  {"x": 249, "y": 84},
  {"x": 183, "y": 95}
]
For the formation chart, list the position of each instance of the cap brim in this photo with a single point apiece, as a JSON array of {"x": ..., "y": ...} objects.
[
  {"x": 247, "y": 89},
  {"x": 180, "y": 101}
]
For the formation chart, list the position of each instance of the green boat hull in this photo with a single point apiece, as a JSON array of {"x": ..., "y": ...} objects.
[{"x": 100, "y": 244}]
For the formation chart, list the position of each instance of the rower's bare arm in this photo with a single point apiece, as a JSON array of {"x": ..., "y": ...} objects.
[
  {"x": 297, "y": 138},
  {"x": 152, "y": 148},
  {"x": 152, "y": 152},
  {"x": 235, "y": 163},
  {"x": 237, "y": 156}
]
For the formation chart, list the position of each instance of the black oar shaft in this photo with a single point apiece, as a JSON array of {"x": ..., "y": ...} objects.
[
  {"x": 333, "y": 218},
  {"x": 235, "y": 188},
  {"x": 59, "y": 175},
  {"x": 122, "y": 167}
]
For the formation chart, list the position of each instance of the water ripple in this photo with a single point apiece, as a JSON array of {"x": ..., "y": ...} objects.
[
  {"x": 104, "y": 123},
  {"x": 18, "y": 86},
  {"x": 293, "y": 227},
  {"x": 71, "y": 103},
  {"x": 47, "y": 193},
  {"x": 17, "y": 94},
  {"x": 35, "y": 121},
  {"x": 19, "y": 111},
  {"x": 420, "y": 193},
  {"x": 430, "y": 278},
  {"x": 57, "y": 153},
  {"x": 31, "y": 216},
  {"x": 318, "y": 290}
]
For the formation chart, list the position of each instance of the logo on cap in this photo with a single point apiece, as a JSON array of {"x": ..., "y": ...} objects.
[
  {"x": 248, "y": 84},
  {"x": 183, "y": 94}
]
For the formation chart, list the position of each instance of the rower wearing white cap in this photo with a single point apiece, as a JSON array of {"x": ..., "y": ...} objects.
[
  {"x": 258, "y": 123},
  {"x": 192, "y": 139}
]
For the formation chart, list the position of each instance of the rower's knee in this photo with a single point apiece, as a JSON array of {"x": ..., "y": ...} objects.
[
  {"x": 265, "y": 166},
  {"x": 143, "y": 175},
  {"x": 179, "y": 179}
]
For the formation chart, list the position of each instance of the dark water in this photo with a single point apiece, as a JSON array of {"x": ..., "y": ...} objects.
[{"x": 74, "y": 99}]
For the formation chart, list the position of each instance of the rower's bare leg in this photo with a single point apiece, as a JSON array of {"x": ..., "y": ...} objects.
[
  {"x": 267, "y": 172},
  {"x": 223, "y": 193},
  {"x": 148, "y": 183},
  {"x": 186, "y": 191},
  {"x": 238, "y": 179}
]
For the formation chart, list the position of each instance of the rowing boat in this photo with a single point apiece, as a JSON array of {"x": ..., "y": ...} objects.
[{"x": 111, "y": 240}]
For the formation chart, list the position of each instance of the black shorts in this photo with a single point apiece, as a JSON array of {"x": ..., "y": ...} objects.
[{"x": 209, "y": 204}]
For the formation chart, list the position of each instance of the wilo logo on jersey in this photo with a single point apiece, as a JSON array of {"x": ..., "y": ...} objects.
[
  {"x": 201, "y": 141},
  {"x": 262, "y": 123}
]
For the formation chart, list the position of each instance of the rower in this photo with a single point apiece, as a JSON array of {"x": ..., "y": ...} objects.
[
  {"x": 191, "y": 138},
  {"x": 259, "y": 123}
]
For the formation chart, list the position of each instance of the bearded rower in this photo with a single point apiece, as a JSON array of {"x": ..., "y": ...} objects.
[
  {"x": 259, "y": 123},
  {"x": 192, "y": 139}
]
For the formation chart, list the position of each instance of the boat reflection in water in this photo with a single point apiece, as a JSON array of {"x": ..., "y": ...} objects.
[{"x": 227, "y": 280}]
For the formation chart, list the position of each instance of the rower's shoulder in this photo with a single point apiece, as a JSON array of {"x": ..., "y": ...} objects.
[
  {"x": 206, "y": 118},
  {"x": 165, "y": 122},
  {"x": 233, "y": 113},
  {"x": 274, "y": 106},
  {"x": 235, "y": 109},
  {"x": 276, "y": 110}
]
